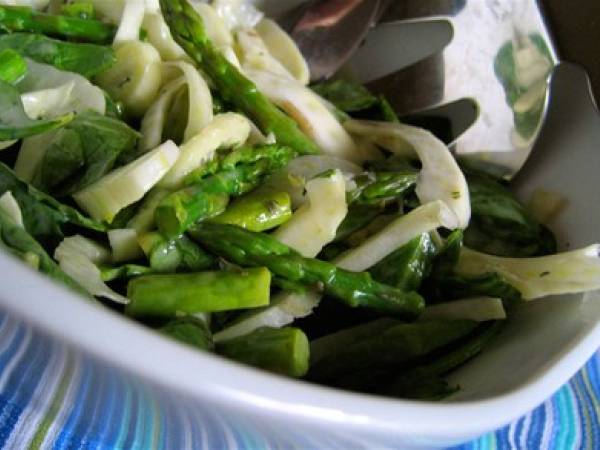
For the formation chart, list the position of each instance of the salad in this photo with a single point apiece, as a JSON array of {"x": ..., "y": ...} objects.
[{"x": 170, "y": 161}]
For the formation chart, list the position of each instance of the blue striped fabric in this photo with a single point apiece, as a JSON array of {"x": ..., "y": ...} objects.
[{"x": 51, "y": 398}]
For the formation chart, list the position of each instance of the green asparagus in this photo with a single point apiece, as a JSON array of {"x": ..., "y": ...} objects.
[
  {"x": 164, "y": 296},
  {"x": 258, "y": 211},
  {"x": 126, "y": 271},
  {"x": 355, "y": 289},
  {"x": 404, "y": 385},
  {"x": 189, "y": 32},
  {"x": 210, "y": 196},
  {"x": 395, "y": 345},
  {"x": 178, "y": 254},
  {"x": 14, "y": 18},
  {"x": 281, "y": 350},
  {"x": 376, "y": 187},
  {"x": 189, "y": 330}
]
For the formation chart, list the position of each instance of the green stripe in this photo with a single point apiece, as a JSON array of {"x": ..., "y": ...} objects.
[{"x": 55, "y": 406}]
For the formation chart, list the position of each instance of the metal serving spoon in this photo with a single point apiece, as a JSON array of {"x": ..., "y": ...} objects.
[
  {"x": 498, "y": 61},
  {"x": 329, "y": 31}
]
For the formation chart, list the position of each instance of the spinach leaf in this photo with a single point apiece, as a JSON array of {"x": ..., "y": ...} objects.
[
  {"x": 82, "y": 152},
  {"x": 500, "y": 225},
  {"x": 85, "y": 59},
  {"x": 406, "y": 267},
  {"x": 444, "y": 285},
  {"x": 355, "y": 99},
  {"x": 14, "y": 122},
  {"x": 346, "y": 95},
  {"x": 21, "y": 244},
  {"x": 43, "y": 216},
  {"x": 12, "y": 66}
]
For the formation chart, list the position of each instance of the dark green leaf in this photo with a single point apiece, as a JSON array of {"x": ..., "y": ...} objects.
[
  {"x": 83, "y": 152},
  {"x": 21, "y": 244},
  {"x": 406, "y": 267},
  {"x": 85, "y": 59},
  {"x": 43, "y": 215},
  {"x": 346, "y": 95},
  {"x": 500, "y": 225}
]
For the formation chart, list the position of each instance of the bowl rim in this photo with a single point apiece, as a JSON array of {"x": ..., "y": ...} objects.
[{"x": 100, "y": 333}]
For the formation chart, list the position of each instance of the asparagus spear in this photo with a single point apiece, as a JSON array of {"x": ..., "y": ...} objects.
[
  {"x": 189, "y": 32},
  {"x": 404, "y": 384},
  {"x": 258, "y": 211},
  {"x": 126, "y": 271},
  {"x": 366, "y": 200},
  {"x": 178, "y": 254},
  {"x": 376, "y": 187},
  {"x": 281, "y": 350},
  {"x": 163, "y": 296},
  {"x": 395, "y": 345},
  {"x": 189, "y": 330},
  {"x": 14, "y": 18},
  {"x": 352, "y": 288},
  {"x": 12, "y": 66},
  {"x": 235, "y": 175}
]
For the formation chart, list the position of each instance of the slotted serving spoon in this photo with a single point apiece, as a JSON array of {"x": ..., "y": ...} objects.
[{"x": 498, "y": 60}]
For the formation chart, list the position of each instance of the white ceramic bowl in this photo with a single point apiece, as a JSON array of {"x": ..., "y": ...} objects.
[{"x": 155, "y": 392}]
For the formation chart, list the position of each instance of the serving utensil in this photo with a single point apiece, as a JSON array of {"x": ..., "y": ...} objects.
[{"x": 490, "y": 73}]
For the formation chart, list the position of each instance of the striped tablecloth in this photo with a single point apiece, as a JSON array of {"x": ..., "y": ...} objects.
[
  {"x": 569, "y": 420},
  {"x": 52, "y": 399}
]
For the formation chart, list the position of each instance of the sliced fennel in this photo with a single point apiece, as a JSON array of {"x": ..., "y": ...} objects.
[
  {"x": 285, "y": 307},
  {"x": 237, "y": 13},
  {"x": 111, "y": 11},
  {"x": 10, "y": 206},
  {"x": 315, "y": 223},
  {"x": 563, "y": 273},
  {"x": 200, "y": 105},
  {"x": 155, "y": 118},
  {"x": 47, "y": 103},
  {"x": 131, "y": 21},
  {"x": 160, "y": 37},
  {"x": 124, "y": 245},
  {"x": 217, "y": 31},
  {"x": 82, "y": 96},
  {"x": 226, "y": 130},
  {"x": 305, "y": 107},
  {"x": 135, "y": 78},
  {"x": 255, "y": 55},
  {"x": 144, "y": 218},
  {"x": 31, "y": 154},
  {"x": 293, "y": 177},
  {"x": 284, "y": 49},
  {"x": 479, "y": 309},
  {"x": 440, "y": 177},
  {"x": 421, "y": 220},
  {"x": 35, "y": 4},
  {"x": 77, "y": 257},
  {"x": 128, "y": 184}
]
